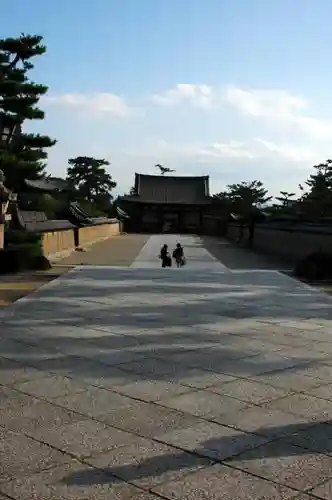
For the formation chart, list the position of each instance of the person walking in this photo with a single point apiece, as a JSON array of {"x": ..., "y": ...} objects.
[
  {"x": 178, "y": 255},
  {"x": 166, "y": 260}
]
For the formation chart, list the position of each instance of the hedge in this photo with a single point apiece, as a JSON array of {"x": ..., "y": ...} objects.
[{"x": 23, "y": 251}]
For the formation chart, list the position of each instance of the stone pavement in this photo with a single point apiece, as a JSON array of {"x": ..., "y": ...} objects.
[
  {"x": 198, "y": 257},
  {"x": 116, "y": 251},
  {"x": 240, "y": 257},
  {"x": 15, "y": 286},
  {"x": 144, "y": 383}
]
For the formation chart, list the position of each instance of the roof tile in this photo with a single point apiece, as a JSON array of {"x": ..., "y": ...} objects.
[{"x": 170, "y": 189}]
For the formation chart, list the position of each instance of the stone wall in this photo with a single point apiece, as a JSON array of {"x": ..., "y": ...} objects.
[
  {"x": 59, "y": 243},
  {"x": 287, "y": 244}
]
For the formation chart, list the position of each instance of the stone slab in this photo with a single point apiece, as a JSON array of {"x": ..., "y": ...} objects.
[
  {"x": 83, "y": 438},
  {"x": 212, "y": 440},
  {"x": 286, "y": 464},
  {"x": 108, "y": 358},
  {"x": 148, "y": 419},
  {"x": 205, "y": 404},
  {"x": 223, "y": 483},
  {"x": 146, "y": 463},
  {"x": 74, "y": 481},
  {"x": 249, "y": 391},
  {"x": 23, "y": 456}
]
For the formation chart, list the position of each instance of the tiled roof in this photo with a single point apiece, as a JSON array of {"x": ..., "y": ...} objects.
[
  {"x": 48, "y": 184},
  {"x": 171, "y": 189},
  {"x": 37, "y": 221}
]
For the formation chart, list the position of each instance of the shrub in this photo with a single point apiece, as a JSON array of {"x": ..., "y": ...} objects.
[
  {"x": 15, "y": 237},
  {"x": 315, "y": 267},
  {"x": 21, "y": 257}
]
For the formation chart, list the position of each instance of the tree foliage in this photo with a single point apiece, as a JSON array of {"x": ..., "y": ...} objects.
[
  {"x": 19, "y": 97},
  {"x": 91, "y": 181},
  {"x": 317, "y": 200},
  {"x": 244, "y": 196},
  {"x": 285, "y": 198}
]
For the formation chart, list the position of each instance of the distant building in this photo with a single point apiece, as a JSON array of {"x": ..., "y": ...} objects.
[{"x": 167, "y": 203}]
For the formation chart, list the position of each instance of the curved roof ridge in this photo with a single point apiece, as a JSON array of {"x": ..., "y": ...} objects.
[{"x": 156, "y": 176}]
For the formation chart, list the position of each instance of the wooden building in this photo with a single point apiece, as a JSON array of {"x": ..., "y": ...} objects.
[{"x": 167, "y": 203}]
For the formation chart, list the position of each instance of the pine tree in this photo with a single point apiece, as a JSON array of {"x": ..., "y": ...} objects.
[
  {"x": 285, "y": 198},
  {"x": 318, "y": 200},
  {"x": 19, "y": 97},
  {"x": 246, "y": 196},
  {"x": 92, "y": 183}
]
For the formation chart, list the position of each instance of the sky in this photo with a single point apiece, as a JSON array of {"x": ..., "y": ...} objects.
[{"x": 235, "y": 89}]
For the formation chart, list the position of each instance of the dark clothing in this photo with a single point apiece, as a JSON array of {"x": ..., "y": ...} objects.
[
  {"x": 178, "y": 253},
  {"x": 163, "y": 253},
  {"x": 166, "y": 261},
  {"x": 178, "y": 256}
]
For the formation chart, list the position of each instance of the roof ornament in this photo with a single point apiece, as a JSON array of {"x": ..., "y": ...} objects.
[{"x": 163, "y": 170}]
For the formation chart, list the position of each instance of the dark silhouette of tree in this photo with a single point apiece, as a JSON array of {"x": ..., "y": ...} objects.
[
  {"x": 317, "y": 200},
  {"x": 90, "y": 181},
  {"x": 245, "y": 196},
  {"x": 285, "y": 198},
  {"x": 19, "y": 97}
]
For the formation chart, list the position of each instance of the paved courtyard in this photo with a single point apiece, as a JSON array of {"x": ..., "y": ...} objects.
[{"x": 142, "y": 383}]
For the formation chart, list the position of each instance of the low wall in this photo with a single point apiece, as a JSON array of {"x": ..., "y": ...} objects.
[
  {"x": 59, "y": 243},
  {"x": 213, "y": 225},
  {"x": 91, "y": 234},
  {"x": 289, "y": 245}
]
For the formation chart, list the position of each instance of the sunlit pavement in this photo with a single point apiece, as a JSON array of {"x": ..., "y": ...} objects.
[{"x": 143, "y": 383}]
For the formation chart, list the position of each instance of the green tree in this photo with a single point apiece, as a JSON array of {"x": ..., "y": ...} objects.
[
  {"x": 19, "y": 97},
  {"x": 245, "y": 196},
  {"x": 285, "y": 198},
  {"x": 91, "y": 182},
  {"x": 317, "y": 200}
]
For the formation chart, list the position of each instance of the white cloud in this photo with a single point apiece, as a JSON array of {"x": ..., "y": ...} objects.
[
  {"x": 198, "y": 95},
  {"x": 279, "y": 107},
  {"x": 229, "y": 154},
  {"x": 232, "y": 149},
  {"x": 95, "y": 104},
  {"x": 291, "y": 153},
  {"x": 264, "y": 103},
  {"x": 268, "y": 134},
  {"x": 255, "y": 149}
]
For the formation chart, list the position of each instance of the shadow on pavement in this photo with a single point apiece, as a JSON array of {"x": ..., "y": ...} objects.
[
  {"x": 236, "y": 256},
  {"x": 117, "y": 319},
  {"x": 225, "y": 449}
]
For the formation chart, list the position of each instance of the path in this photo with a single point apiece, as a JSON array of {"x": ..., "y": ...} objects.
[
  {"x": 119, "y": 250},
  {"x": 198, "y": 257},
  {"x": 116, "y": 251},
  {"x": 143, "y": 383},
  {"x": 239, "y": 257}
]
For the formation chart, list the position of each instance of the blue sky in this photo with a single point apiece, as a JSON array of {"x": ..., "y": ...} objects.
[{"x": 236, "y": 89}]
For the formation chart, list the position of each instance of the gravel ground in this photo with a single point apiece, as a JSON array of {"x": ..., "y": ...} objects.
[{"x": 116, "y": 251}]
